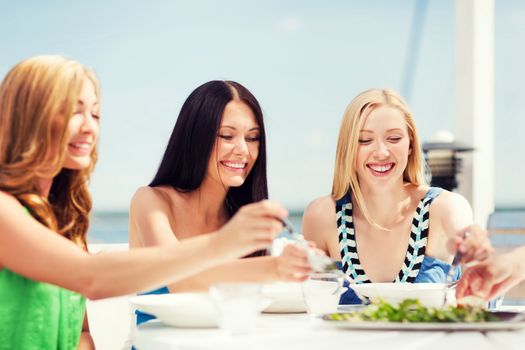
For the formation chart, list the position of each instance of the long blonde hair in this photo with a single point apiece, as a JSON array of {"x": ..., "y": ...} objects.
[
  {"x": 345, "y": 175},
  {"x": 37, "y": 99}
]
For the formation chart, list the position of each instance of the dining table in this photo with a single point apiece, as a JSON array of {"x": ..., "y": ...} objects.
[{"x": 303, "y": 332}]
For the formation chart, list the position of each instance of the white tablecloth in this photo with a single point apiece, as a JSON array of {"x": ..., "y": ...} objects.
[{"x": 298, "y": 331}]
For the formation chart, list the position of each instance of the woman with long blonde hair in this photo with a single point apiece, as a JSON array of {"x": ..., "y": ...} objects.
[
  {"x": 382, "y": 220},
  {"x": 49, "y": 123}
]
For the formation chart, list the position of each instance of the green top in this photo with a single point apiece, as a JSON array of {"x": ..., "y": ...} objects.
[{"x": 37, "y": 315}]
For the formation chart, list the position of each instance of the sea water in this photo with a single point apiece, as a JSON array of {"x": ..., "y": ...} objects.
[{"x": 112, "y": 227}]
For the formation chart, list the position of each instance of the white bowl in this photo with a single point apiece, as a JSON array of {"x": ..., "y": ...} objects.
[
  {"x": 429, "y": 294},
  {"x": 286, "y": 297},
  {"x": 188, "y": 310},
  {"x": 184, "y": 310}
]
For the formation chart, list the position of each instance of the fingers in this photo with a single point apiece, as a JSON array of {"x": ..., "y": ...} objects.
[
  {"x": 266, "y": 208},
  {"x": 293, "y": 264},
  {"x": 255, "y": 225},
  {"x": 267, "y": 224},
  {"x": 462, "y": 288},
  {"x": 475, "y": 245},
  {"x": 484, "y": 280}
]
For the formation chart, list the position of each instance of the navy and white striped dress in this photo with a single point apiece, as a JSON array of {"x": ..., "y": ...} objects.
[{"x": 417, "y": 267}]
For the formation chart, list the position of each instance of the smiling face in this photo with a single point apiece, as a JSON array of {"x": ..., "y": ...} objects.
[
  {"x": 237, "y": 146},
  {"x": 384, "y": 147},
  {"x": 82, "y": 129}
]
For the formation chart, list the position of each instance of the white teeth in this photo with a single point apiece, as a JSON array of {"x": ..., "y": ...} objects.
[
  {"x": 235, "y": 165},
  {"x": 81, "y": 145},
  {"x": 381, "y": 168}
]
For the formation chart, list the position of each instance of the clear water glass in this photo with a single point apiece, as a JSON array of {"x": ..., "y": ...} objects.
[
  {"x": 322, "y": 291},
  {"x": 237, "y": 305}
]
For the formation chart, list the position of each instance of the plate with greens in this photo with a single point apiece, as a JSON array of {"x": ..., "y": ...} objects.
[{"x": 410, "y": 314}]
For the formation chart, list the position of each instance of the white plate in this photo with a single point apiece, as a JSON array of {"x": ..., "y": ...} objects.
[
  {"x": 188, "y": 310},
  {"x": 510, "y": 320},
  {"x": 430, "y": 326},
  {"x": 183, "y": 310},
  {"x": 287, "y": 297},
  {"x": 429, "y": 294}
]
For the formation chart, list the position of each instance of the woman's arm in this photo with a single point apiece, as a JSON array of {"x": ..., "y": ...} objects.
[
  {"x": 455, "y": 213},
  {"x": 32, "y": 250},
  {"x": 86, "y": 341},
  {"x": 291, "y": 265},
  {"x": 150, "y": 226},
  {"x": 455, "y": 216},
  {"x": 319, "y": 223}
]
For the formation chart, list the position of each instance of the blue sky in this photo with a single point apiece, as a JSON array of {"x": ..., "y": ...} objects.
[{"x": 303, "y": 60}]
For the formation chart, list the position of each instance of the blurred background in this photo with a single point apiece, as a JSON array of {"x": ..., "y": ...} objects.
[{"x": 303, "y": 60}]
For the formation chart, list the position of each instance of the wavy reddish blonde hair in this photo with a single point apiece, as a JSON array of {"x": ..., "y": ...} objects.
[{"x": 37, "y": 99}]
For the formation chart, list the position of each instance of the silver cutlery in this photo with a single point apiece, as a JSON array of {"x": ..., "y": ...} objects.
[{"x": 318, "y": 262}]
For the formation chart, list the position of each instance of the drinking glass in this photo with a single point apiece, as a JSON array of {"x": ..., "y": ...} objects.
[
  {"x": 238, "y": 305},
  {"x": 322, "y": 291}
]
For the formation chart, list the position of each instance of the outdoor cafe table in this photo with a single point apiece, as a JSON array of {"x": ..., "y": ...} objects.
[{"x": 298, "y": 331}]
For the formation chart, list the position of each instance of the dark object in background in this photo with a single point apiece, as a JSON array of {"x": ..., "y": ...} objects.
[{"x": 444, "y": 163}]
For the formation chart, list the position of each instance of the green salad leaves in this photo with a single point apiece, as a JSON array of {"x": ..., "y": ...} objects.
[{"x": 411, "y": 310}]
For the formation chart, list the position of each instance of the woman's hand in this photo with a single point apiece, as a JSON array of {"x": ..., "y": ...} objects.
[
  {"x": 473, "y": 243},
  {"x": 292, "y": 264},
  {"x": 252, "y": 228},
  {"x": 494, "y": 276},
  {"x": 487, "y": 279}
]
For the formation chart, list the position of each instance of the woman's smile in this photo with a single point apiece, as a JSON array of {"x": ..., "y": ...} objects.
[
  {"x": 234, "y": 166},
  {"x": 383, "y": 169}
]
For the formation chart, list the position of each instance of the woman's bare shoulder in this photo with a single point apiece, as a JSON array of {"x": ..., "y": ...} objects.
[
  {"x": 10, "y": 205},
  {"x": 452, "y": 212},
  {"x": 321, "y": 206},
  {"x": 151, "y": 195},
  {"x": 320, "y": 213},
  {"x": 448, "y": 202},
  {"x": 8, "y": 198},
  {"x": 147, "y": 200}
]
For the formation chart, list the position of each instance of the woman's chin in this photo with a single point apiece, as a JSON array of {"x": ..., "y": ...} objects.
[
  {"x": 77, "y": 163},
  {"x": 236, "y": 181}
]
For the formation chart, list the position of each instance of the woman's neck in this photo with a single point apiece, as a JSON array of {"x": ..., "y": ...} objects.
[
  {"x": 387, "y": 207},
  {"x": 208, "y": 201},
  {"x": 44, "y": 186}
]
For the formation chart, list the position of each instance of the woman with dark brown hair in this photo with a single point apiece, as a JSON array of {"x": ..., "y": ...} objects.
[{"x": 215, "y": 163}]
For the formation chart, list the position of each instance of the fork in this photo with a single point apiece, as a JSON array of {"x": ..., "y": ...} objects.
[{"x": 318, "y": 262}]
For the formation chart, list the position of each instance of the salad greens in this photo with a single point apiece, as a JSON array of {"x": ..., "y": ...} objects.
[{"x": 411, "y": 310}]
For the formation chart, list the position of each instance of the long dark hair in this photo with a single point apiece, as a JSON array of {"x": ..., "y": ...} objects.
[{"x": 186, "y": 158}]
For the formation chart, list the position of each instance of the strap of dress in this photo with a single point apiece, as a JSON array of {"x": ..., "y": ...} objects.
[
  {"x": 347, "y": 245},
  {"x": 418, "y": 238}
]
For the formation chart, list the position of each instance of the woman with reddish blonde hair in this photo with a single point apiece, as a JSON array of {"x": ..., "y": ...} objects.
[{"x": 49, "y": 124}]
